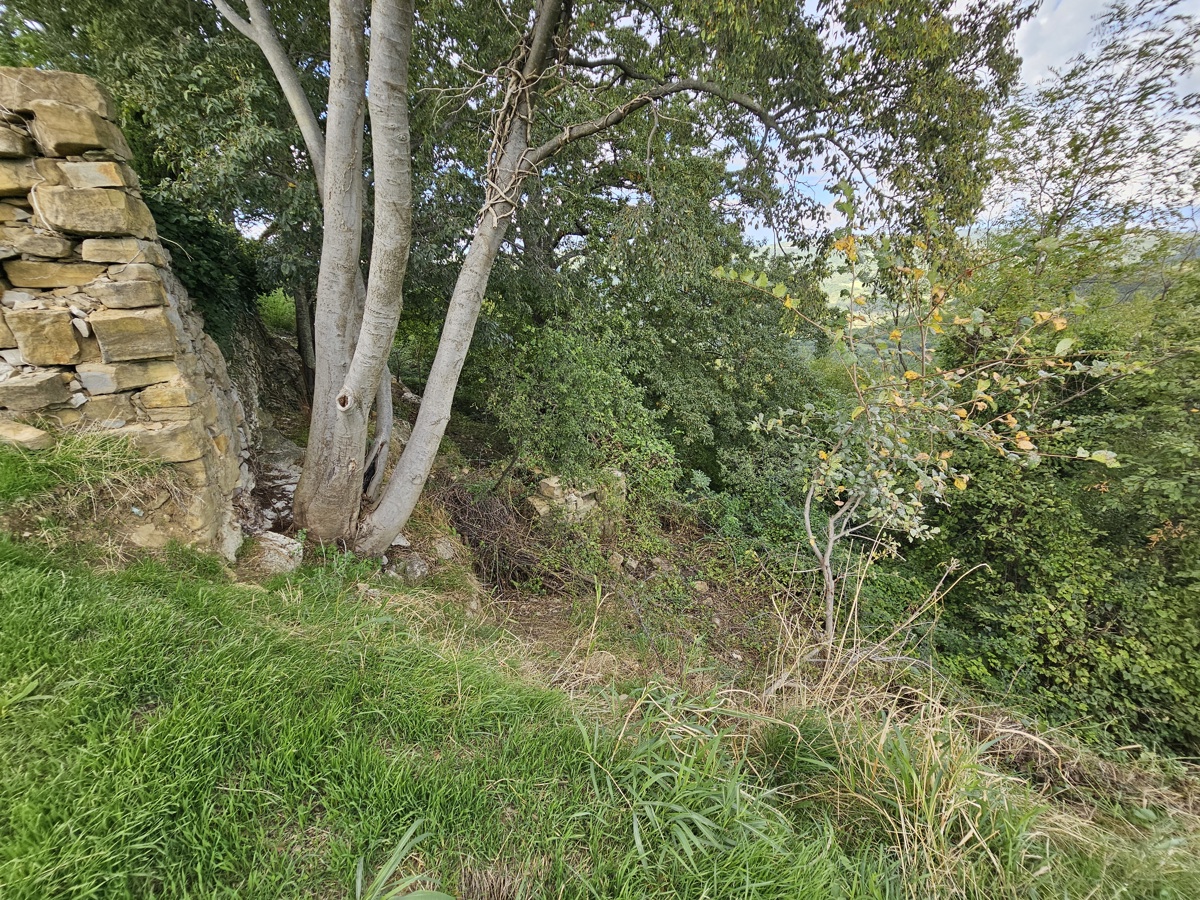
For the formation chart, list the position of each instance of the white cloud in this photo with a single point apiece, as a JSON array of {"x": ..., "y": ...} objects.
[{"x": 1060, "y": 30}]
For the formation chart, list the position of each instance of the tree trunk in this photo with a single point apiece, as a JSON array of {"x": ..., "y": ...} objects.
[
  {"x": 304, "y": 340},
  {"x": 327, "y": 496},
  {"x": 507, "y": 172}
]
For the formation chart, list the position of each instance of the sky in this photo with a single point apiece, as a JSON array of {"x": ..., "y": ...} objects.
[{"x": 1061, "y": 29}]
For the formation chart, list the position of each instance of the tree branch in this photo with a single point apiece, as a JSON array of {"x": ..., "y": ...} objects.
[
  {"x": 259, "y": 29},
  {"x": 580, "y": 62},
  {"x": 586, "y": 129}
]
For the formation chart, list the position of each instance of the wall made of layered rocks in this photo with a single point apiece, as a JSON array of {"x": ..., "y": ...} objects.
[{"x": 95, "y": 330}]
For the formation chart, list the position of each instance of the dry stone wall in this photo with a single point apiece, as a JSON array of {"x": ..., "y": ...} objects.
[{"x": 95, "y": 330}]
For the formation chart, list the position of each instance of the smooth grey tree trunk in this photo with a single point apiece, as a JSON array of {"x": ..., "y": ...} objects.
[
  {"x": 338, "y": 498},
  {"x": 327, "y": 496},
  {"x": 507, "y": 172}
]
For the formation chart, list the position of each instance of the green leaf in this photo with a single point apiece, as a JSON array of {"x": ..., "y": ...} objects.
[{"x": 1063, "y": 346}]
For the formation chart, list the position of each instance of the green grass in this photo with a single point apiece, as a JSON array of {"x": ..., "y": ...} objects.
[
  {"x": 88, "y": 463},
  {"x": 278, "y": 310},
  {"x": 166, "y": 733}
]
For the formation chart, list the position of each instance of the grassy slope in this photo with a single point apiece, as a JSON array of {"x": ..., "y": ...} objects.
[
  {"x": 183, "y": 736},
  {"x": 164, "y": 732},
  {"x": 169, "y": 734}
]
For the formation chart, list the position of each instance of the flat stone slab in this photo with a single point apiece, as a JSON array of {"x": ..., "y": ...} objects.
[
  {"x": 24, "y": 436},
  {"x": 126, "y": 334},
  {"x": 95, "y": 212},
  {"x": 33, "y": 273},
  {"x": 34, "y": 391},
  {"x": 19, "y": 87},
  {"x": 63, "y": 129},
  {"x": 123, "y": 250},
  {"x": 112, "y": 378},
  {"x": 45, "y": 336}
]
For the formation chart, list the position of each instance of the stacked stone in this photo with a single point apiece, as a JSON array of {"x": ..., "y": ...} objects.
[{"x": 95, "y": 330}]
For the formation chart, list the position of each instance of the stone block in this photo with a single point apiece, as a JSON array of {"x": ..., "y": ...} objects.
[
  {"x": 45, "y": 336},
  {"x": 278, "y": 553},
  {"x": 18, "y": 177},
  {"x": 110, "y": 408},
  {"x": 7, "y": 339},
  {"x": 176, "y": 442},
  {"x": 123, "y": 250},
  {"x": 19, "y": 87},
  {"x": 110, "y": 378},
  {"x": 126, "y": 334},
  {"x": 26, "y": 239},
  {"x": 63, "y": 129},
  {"x": 203, "y": 517},
  {"x": 175, "y": 392},
  {"x": 95, "y": 212},
  {"x": 24, "y": 436},
  {"x": 34, "y": 391},
  {"x": 171, "y": 414},
  {"x": 551, "y": 488},
  {"x": 195, "y": 472},
  {"x": 134, "y": 272},
  {"x": 14, "y": 143},
  {"x": 11, "y": 213},
  {"x": 89, "y": 349},
  {"x": 33, "y": 273},
  {"x": 102, "y": 174},
  {"x": 129, "y": 294}
]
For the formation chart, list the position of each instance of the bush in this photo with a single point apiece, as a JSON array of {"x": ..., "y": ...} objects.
[{"x": 568, "y": 408}]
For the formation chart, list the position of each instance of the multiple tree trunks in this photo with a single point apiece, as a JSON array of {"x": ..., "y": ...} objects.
[{"x": 95, "y": 330}]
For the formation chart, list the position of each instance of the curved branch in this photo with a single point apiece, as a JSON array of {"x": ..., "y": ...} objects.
[
  {"x": 682, "y": 85},
  {"x": 260, "y": 30},
  {"x": 580, "y": 62}
]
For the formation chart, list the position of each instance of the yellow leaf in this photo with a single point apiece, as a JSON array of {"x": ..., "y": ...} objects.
[
  {"x": 847, "y": 245},
  {"x": 961, "y": 413},
  {"x": 910, "y": 375},
  {"x": 1025, "y": 445},
  {"x": 1059, "y": 323},
  {"x": 960, "y": 482},
  {"x": 896, "y": 334},
  {"x": 945, "y": 454},
  {"x": 822, "y": 454},
  {"x": 858, "y": 411}
]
